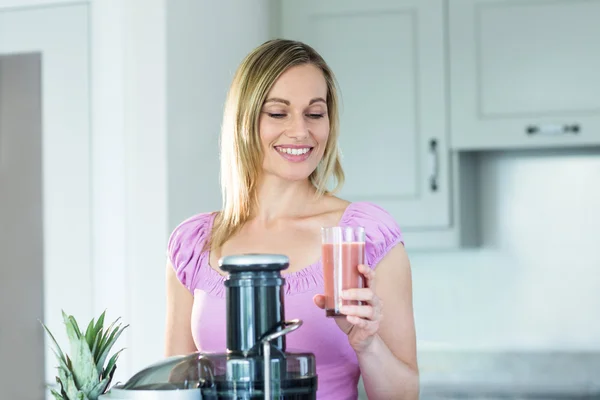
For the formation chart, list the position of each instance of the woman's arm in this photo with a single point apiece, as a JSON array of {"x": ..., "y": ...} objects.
[
  {"x": 178, "y": 338},
  {"x": 389, "y": 364}
]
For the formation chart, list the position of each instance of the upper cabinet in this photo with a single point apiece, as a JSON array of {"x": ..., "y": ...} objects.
[
  {"x": 423, "y": 80},
  {"x": 524, "y": 74},
  {"x": 389, "y": 60}
]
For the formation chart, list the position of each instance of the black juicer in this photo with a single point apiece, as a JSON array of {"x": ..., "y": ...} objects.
[{"x": 255, "y": 364}]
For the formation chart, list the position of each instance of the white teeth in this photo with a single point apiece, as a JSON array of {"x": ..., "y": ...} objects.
[{"x": 294, "y": 152}]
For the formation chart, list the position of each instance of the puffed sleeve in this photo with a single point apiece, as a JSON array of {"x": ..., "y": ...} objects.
[
  {"x": 381, "y": 229},
  {"x": 185, "y": 248}
]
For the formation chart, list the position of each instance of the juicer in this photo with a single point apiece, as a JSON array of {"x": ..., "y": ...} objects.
[{"x": 255, "y": 364}]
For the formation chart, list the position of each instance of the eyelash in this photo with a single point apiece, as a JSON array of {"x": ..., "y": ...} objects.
[{"x": 279, "y": 116}]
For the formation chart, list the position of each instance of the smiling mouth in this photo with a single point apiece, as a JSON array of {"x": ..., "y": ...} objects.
[
  {"x": 294, "y": 151},
  {"x": 295, "y": 154}
]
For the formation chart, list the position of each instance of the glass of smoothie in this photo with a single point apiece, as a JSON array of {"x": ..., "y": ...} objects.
[{"x": 343, "y": 249}]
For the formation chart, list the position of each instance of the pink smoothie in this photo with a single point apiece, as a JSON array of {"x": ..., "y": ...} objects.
[{"x": 343, "y": 276}]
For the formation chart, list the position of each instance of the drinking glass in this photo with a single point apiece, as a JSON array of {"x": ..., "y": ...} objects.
[{"x": 343, "y": 249}]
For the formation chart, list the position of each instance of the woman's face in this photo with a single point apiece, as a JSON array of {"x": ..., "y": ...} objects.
[{"x": 294, "y": 124}]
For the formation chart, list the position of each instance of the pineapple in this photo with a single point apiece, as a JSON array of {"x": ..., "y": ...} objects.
[{"x": 83, "y": 375}]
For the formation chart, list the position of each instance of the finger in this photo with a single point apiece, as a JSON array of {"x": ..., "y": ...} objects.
[
  {"x": 366, "y": 271},
  {"x": 370, "y": 327},
  {"x": 369, "y": 275},
  {"x": 319, "y": 300},
  {"x": 364, "y": 294},
  {"x": 367, "y": 312}
]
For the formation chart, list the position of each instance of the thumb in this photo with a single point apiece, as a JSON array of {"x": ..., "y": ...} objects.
[{"x": 319, "y": 300}]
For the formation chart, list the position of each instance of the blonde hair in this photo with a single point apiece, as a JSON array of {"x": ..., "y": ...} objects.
[{"x": 241, "y": 151}]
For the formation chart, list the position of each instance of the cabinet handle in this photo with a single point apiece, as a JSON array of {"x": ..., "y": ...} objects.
[
  {"x": 552, "y": 129},
  {"x": 434, "y": 159}
]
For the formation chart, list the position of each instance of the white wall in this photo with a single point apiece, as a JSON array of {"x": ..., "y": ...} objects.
[
  {"x": 206, "y": 42},
  {"x": 109, "y": 162},
  {"x": 534, "y": 284},
  {"x": 146, "y": 180},
  {"x": 129, "y": 173}
]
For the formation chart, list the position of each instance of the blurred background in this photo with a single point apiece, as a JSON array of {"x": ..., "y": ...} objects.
[{"x": 475, "y": 122}]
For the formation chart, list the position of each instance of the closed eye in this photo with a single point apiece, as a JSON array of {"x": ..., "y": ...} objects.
[{"x": 280, "y": 115}]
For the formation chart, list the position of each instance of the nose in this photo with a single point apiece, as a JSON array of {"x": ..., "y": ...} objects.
[{"x": 298, "y": 128}]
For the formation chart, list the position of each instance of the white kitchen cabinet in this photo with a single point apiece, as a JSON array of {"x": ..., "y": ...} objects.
[
  {"x": 389, "y": 59},
  {"x": 524, "y": 73}
]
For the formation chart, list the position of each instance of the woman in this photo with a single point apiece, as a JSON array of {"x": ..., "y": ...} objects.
[{"x": 279, "y": 150}]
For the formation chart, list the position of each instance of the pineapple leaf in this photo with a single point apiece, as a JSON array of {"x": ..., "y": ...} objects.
[
  {"x": 112, "y": 373},
  {"x": 81, "y": 396},
  {"x": 99, "y": 389},
  {"x": 105, "y": 337},
  {"x": 72, "y": 330},
  {"x": 57, "y": 396},
  {"x": 84, "y": 368},
  {"x": 111, "y": 364},
  {"x": 96, "y": 346},
  {"x": 62, "y": 377},
  {"x": 89, "y": 334},
  {"x": 107, "y": 346},
  {"x": 60, "y": 352},
  {"x": 93, "y": 331},
  {"x": 81, "y": 375},
  {"x": 61, "y": 361},
  {"x": 100, "y": 323},
  {"x": 62, "y": 388},
  {"x": 69, "y": 386},
  {"x": 75, "y": 325},
  {"x": 99, "y": 335}
]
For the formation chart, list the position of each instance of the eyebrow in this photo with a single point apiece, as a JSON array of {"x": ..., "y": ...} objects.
[{"x": 287, "y": 103}]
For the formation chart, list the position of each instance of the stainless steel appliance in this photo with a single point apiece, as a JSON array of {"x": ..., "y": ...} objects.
[{"x": 255, "y": 364}]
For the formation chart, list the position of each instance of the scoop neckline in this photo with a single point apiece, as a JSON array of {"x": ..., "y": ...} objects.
[{"x": 308, "y": 270}]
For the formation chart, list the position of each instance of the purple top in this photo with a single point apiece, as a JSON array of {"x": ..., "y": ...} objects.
[{"x": 337, "y": 366}]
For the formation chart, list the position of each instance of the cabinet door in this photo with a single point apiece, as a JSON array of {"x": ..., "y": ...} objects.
[
  {"x": 388, "y": 58},
  {"x": 524, "y": 73},
  {"x": 46, "y": 58}
]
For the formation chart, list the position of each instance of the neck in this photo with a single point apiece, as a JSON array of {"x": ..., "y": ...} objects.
[{"x": 282, "y": 199}]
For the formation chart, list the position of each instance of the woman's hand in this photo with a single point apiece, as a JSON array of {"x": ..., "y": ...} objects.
[{"x": 362, "y": 321}]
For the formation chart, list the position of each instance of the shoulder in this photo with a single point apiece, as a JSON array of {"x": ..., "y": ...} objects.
[
  {"x": 381, "y": 229},
  {"x": 186, "y": 245},
  {"x": 191, "y": 230}
]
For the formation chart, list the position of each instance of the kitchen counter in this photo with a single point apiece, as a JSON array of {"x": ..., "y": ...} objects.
[{"x": 509, "y": 375}]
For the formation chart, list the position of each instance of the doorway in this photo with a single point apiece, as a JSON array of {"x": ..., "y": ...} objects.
[{"x": 21, "y": 228}]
